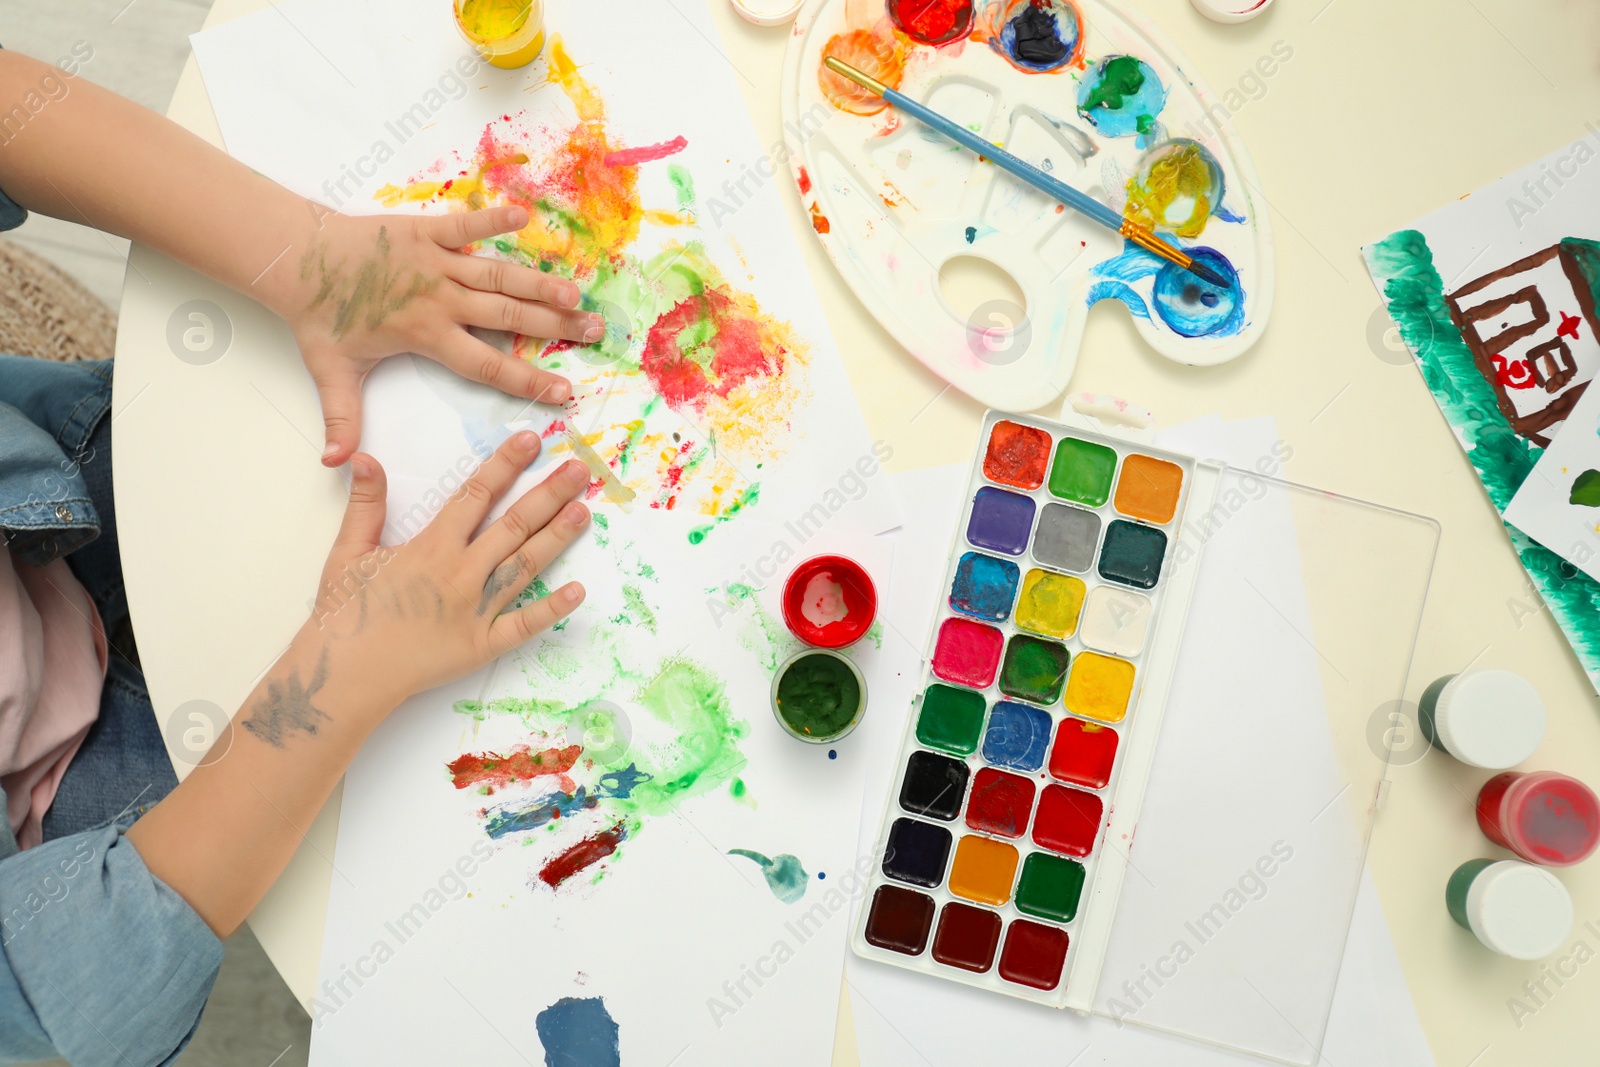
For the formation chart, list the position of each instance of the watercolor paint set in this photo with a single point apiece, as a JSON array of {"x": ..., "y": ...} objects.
[{"x": 1007, "y": 831}]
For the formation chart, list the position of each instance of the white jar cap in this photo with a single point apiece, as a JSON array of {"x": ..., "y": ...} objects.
[
  {"x": 1519, "y": 910},
  {"x": 769, "y": 12},
  {"x": 1492, "y": 719},
  {"x": 1231, "y": 10}
]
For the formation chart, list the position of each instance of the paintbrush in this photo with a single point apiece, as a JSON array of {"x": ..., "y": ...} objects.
[{"x": 1080, "y": 202}]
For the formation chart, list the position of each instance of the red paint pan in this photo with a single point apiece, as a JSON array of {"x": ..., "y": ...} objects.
[{"x": 829, "y": 602}]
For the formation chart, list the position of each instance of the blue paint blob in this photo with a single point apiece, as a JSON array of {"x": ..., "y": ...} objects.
[
  {"x": 972, "y": 234},
  {"x": 985, "y": 587},
  {"x": 1018, "y": 736},
  {"x": 1194, "y": 307},
  {"x": 1119, "y": 291},
  {"x": 1039, "y": 35},
  {"x": 833, "y": 753},
  {"x": 1122, "y": 96},
  {"x": 578, "y": 1033},
  {"x": 821, "y": 875}
]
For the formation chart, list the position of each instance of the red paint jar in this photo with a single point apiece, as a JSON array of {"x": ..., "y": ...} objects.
[
  {"x": 829, "y": 602},
  {"x": 1544, "y": 817}
]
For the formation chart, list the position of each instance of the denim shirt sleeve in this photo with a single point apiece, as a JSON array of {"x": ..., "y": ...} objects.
[
  {"x": 12, "y": 214},
  {"x": 48, "y": 412},
  {"x": 103, "y": 964}
]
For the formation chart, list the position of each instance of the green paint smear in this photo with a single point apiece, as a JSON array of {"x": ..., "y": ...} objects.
[
  {"x": 1402, "y": 265},
  {"x": 748, "y": 498},
  {"x": 1586, "y": 490},
  {"x": 683, "y": 184},
  {"x": 818, "y": 696},
  {"x": 635, "y": 612},
  {"x": 785, "y": 877},
  {"x": 601, "y": 521},
  {"x": 693, "y": 702},
  {"x": 760, "y": 633}
]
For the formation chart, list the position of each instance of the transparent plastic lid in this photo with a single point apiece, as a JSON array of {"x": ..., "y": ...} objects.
[{"x": 1236, "y": 907}]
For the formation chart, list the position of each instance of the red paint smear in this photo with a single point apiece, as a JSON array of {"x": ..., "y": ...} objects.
[
  {"x": 554, "y": 428},
  {"x": 521, "y": 764},
  {"x": 737, "y": 344},
  {"x": 805, "y": 182},
  {"x": 632, "y": 157},
  {"x": 932, "y": 21},
  {"x": 585, "y": 853},
  {"x": 819, "y": 221}
]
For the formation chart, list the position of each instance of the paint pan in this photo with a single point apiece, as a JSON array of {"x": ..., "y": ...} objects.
[
  {"x": 829, "y": 602},
  {"x": 1515, "y": 909},
  {"x": 1012, "y": 765},
  {"x": 1544, "y": 817},
  {"x": 1486, "y": 718},
  {"x": 506, "y": 33},
  {"x": 818, "y": 696}
]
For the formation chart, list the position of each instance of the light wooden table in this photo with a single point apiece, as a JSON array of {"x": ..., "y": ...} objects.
[{"x": 1385, "y": 111}]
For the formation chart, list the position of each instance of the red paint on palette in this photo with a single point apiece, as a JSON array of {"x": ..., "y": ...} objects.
[
  {"x": 1068, "y": 821},
  {"x": 967, "y": 653},
  {"x": 493, "y": 770},
  {"x": 899, "y": 920},
  {"x": 967, "y": 937},
  {"x": 829, "y": 602},
  {"x": 1018, "y": 455},
  {"x": 999, "y": 803},
  {"x": 1034, "y": 954},
  {"x": 1084, "y": 753},
  {"x": 585, "y": 853},
  {"x": 933, "y": 21},
  {"x": 1543, "y": 817}
]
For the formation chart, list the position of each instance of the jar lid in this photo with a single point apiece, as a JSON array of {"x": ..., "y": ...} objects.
[{"x": 771, "y": 12}]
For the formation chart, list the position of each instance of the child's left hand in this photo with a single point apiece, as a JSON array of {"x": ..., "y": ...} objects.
[{"x": 369, "y": 287}]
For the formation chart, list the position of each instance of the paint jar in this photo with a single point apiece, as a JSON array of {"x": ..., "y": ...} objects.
[
  {"x": 768, "y": 12},
  {"x": 829, "y": 602},
  {"x": 1514, "y": 908},
  {"x": 1543, "y": 817},
  {"x": 1492, "y": 719},
  {"x": 1231, "y": 10},
  {"x": 818, "y": 696},
  {"x": 506, "y": 33}
]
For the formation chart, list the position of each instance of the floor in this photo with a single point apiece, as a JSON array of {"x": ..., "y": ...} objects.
[{"x": 139, "y": 48}]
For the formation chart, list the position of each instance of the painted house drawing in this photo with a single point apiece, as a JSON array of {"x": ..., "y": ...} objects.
[{"x": 1532, "y": 329}]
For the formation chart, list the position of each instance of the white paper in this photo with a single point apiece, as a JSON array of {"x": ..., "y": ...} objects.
[
  {"x": 1559, "y": 503},
  {"x": 443, "y": 941},
  {"x": 905, "y": 1018}
]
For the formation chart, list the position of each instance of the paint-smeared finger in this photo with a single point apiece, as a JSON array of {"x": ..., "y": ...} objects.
[
  {"x": 482, "y": 362},
  {"x": 531, "y": 559},
  {"x": 530, "y": 514},
  {"x": 465, "y": 511},
  {"x": 364, "y": 515},
  {"x": 494, "y": 312},
  {"x": 454, "y": 231},
  {"x": 524, "y": 283},
  {"x": 524, "y": 624}
]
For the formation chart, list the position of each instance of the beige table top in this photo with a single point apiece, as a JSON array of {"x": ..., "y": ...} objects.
[{"x": 1385, "y": 111}]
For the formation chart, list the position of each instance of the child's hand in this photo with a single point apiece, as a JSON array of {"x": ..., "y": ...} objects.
[
  {"x": 406, "y": 619},
  {"x": 370, "y": 287}
]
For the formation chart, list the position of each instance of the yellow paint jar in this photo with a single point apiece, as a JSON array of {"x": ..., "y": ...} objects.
[{"x": 506, "y": 33}]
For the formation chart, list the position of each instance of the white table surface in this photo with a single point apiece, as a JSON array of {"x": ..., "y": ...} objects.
[{"x": 1386, "y": 110}]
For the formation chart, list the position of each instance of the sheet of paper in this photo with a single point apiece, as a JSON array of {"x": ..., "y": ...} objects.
[
  {"x": 544, "y": 855},
  {"x": 904, "y": 1018},
  {"x": 1559, "y": 503},
  {"x": 1495, "y": 296}
]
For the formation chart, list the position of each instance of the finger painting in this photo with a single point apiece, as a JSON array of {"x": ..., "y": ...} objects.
[
  {"x": 1495, "y": 296},
  {"x": 1076, "y": 88},
  {"x": 691, "y": 391}
]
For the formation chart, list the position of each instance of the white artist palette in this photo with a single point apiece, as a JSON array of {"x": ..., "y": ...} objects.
[{"x": 894, "y": 203}]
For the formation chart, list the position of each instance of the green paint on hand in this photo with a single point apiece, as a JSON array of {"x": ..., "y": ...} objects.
[
  {"x": 819, "y": 696},
  {"x": 1586, "y": 489},
  {"x": 785, "y": 877}
]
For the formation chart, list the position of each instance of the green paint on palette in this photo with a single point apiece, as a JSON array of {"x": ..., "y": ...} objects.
[
  {"x": 785, "y": 876},
  {"x": 1050, "y": 887},
  {"x": 951, "y": 719},
  {"x": 818, "y": 696},
  {"x": 1083, "y": 472},
  {"x": 1034, "y": 670}
]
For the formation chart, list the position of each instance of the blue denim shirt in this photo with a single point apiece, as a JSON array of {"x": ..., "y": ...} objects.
[{"x": 100, "y": 961}]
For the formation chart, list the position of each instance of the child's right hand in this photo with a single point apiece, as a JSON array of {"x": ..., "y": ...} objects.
[{"x": 408, "y": 618}]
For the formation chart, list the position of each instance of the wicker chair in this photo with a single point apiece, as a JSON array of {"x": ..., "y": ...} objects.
[{"x": 48, "y": 314}]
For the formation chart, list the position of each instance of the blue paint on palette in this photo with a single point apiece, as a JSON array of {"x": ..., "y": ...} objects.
[
  {"x": 1018, "y": 736},
  {"x": 1118, "y": 291},
  {"x": 1121, "y": 97},
  {"x": 985, "y": 587},
  {"x": 1193, "y": 306},
  {"x": 578, "y": 1033},
  {"x": 1000, "y": 521}
]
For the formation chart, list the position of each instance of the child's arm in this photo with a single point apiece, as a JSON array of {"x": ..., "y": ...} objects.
[
  {"x": 354, "y": 289},
  {"x": 390, "y": 622}
]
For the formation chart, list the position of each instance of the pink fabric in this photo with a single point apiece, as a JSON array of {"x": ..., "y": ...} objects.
[{"x": 52, "y": 667}]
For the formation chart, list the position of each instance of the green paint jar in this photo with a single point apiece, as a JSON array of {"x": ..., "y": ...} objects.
[
  {"x": 818, "y": 696},
  {"x": 1513, "y": 908}
]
